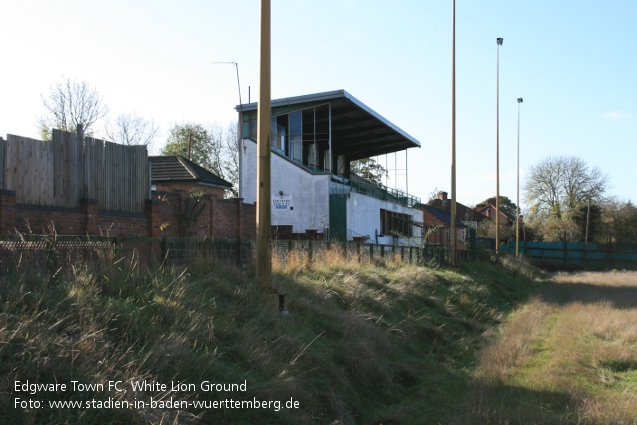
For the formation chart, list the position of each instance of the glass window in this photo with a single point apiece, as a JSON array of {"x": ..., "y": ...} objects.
[
  {"x": 277, "y": 138},
  {"x": 393, "y": 223},
  {"x": 296, "y": 136}
]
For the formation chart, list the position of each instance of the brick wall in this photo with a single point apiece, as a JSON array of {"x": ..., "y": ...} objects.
[
  {"x": 439, "y": 236},
  {"x": 168, "y": 214},
  {"x": 187, "y": 187},
  {"x": 232, "y": 216}
]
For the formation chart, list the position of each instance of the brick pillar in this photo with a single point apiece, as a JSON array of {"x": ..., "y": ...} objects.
[
  {"x": 203, "y": 222},
  {"x": 213, "y": 209},
  {"x": 7, "y": 211},
  {"x": 89, "y": 208},
  {"x": 239, "y": 218},
  {"x": 152, "y": 210}
]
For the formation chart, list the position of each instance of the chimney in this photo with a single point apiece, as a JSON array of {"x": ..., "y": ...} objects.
[{"x": 442, "y": 196}]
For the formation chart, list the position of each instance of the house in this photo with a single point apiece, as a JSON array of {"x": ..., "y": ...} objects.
[
  {"x": 489, "y": 210},
  {"x": 193, "y": 204},
  {"x": 171, "y": 172},
  {"x": 314, "y": 140},
  {"x": 437, "y": 227},
  {"x": 465, "y": 214}
]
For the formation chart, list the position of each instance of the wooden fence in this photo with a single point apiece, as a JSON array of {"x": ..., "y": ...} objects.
[{"x": 66, "y": 169}]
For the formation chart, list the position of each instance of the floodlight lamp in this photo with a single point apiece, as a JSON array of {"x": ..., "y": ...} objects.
[
  {"x": 519, "y": 100},
  {"x": 499, "y": 40}
]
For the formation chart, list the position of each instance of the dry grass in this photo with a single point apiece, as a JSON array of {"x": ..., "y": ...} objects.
[
  {"x": 297, "y": 261},
  {"x": 363, "y": 343},
  {"x": 613, "y": 278},
  {"x": 514, "y": 345},
  {"x": 569, "y": 356}
]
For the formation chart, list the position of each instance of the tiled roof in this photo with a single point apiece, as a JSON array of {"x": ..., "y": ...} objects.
[
  {"x": 463, "y": 212},
  {"x": 441, "y": 215},
  {"x": 177, "y": 169},
  {"x": 484, "y": 211}
]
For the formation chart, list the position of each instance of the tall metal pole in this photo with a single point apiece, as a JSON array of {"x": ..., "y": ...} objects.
[
  {"x": 453, "y": 237},
  {"x": 497, "y": 150},
  {"x": 588, "y": 215},
  {"x": 263, "y": 257},
  {"x": 517, "y": 207}
]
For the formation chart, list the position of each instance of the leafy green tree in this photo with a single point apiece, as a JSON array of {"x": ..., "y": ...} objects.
[
  {"x": 369, "y": 169},
  {"x": 560, "y": 230},
  {"x": 588, "y": 217},
  {"x": 215, "y": 149},
  {"x": 69, "y": 104},
  {"x": 620, "y": 220}
]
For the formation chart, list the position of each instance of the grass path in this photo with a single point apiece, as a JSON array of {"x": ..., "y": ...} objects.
[{"x": 568, "y": 356}]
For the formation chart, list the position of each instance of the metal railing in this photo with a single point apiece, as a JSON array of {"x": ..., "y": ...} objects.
[
  {"x": 341, "y": 186},
  {"x": 55, "y": 253}
]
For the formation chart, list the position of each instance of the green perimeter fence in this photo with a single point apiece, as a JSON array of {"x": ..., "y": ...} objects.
[
  {"x": 58, "y": 252},
  {"x": 577, "y": 253}
]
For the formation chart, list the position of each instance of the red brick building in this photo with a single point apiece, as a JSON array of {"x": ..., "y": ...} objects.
[
  {"x": 195, "y": 199},
  {"x": 437, "y": 227},
  {"x": 489, "y": 210}
]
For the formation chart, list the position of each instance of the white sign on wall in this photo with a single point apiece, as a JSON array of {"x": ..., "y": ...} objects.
[{"x": 282, "y": 202}]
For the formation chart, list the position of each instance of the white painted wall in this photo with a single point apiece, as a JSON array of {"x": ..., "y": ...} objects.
[
  {"x": 363, "y": 217},
  {"x": 309, "y": 192},
  {"x": 310, "y": 198}
]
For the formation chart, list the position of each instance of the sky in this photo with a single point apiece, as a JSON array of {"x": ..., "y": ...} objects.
[{"x": 573, "y": 62}]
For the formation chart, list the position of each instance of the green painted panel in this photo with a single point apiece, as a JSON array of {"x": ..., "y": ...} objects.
[{"x": 338, "y": 217}]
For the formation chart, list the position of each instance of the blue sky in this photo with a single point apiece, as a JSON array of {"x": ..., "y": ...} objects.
[{"x": 573, "y": 62}]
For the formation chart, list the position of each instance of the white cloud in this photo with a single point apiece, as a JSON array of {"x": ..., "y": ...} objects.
[{"x": 616, "y": 116}]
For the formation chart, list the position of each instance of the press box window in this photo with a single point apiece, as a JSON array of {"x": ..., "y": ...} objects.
[{"x": 393, "y": 223}]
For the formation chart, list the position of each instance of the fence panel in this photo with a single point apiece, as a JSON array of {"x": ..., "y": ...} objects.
[
  {"x": 578, "y": 253},
  {"x": 64, "y": 170}
]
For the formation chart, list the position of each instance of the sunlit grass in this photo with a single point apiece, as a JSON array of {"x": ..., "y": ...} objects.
[
  {"x": 569, "y": 356},
  {"x": 362, "y": 343}
]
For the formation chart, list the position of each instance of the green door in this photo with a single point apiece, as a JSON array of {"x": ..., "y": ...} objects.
[{"x": 338, "y": 218}]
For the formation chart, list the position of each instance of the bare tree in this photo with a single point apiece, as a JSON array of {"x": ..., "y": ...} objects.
[
  {"x": 229, "y": 156},
  {"x": 69, "y": 104},
  {"x": 131, "y": 129},
  {"x": 558, "y": 185}
]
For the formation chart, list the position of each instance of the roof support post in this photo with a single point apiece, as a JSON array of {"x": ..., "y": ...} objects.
[{"x": 329, "y": 111}]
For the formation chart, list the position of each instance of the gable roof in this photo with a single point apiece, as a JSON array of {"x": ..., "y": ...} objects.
[
  {"x": 357, "y": 130},
  {"x": 441, "y": 215},
  {"x": 463, "y": 212},
  {"x": 177, "y": 169},
  {"x": 486, "y": 209}
]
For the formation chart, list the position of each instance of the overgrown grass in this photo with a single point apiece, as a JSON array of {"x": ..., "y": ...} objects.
[
  {"x": 567, "y": 357},
  {"x": 362, "y": 344}
]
